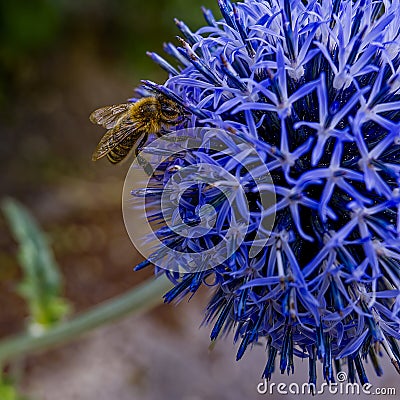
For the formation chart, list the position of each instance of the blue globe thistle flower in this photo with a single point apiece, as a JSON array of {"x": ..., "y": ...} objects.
[{"x": 313, "y": 87}]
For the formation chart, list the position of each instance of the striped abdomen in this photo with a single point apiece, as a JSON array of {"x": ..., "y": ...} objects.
[{"x": 119, "y": 152}]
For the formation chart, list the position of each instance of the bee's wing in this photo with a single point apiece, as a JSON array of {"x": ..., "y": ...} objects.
[
  {"x": 108, "y": 116},
  {"x": 115, "y": 136}
]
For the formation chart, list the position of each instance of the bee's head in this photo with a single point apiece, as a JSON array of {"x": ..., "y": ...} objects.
[{"x": 171, "y": 112}]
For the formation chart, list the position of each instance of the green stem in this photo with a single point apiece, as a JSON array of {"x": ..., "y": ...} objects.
[{"x": 139, "y": 299}]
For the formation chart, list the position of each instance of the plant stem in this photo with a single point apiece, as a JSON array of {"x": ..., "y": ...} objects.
[{"x": 141, "y": 298}]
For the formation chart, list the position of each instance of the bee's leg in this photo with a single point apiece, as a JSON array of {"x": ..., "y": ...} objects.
[
  {"x": 142, "y": 161},
  {"x": 146, "y": 166}
]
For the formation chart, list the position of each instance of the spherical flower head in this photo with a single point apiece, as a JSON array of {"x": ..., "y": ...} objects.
[{"x": 313, "y": 88}]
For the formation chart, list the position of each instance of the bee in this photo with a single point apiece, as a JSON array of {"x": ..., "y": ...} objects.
[{"x": 131, "y": 123}]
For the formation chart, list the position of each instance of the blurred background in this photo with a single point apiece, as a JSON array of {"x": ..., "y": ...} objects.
[{"x": 60, "y": 60}]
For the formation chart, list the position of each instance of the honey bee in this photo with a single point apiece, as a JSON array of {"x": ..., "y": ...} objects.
[{"x": 131, "y": 123}]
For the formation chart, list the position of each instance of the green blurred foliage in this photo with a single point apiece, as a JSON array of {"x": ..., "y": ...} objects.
[
  {"x": 118, "y": 30},
  {"x": 147, "y": 24},
  {"x": 9, "y": 392},
  {"x": 42, "y": 282},
  {"x": 27, "y": 26}
]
